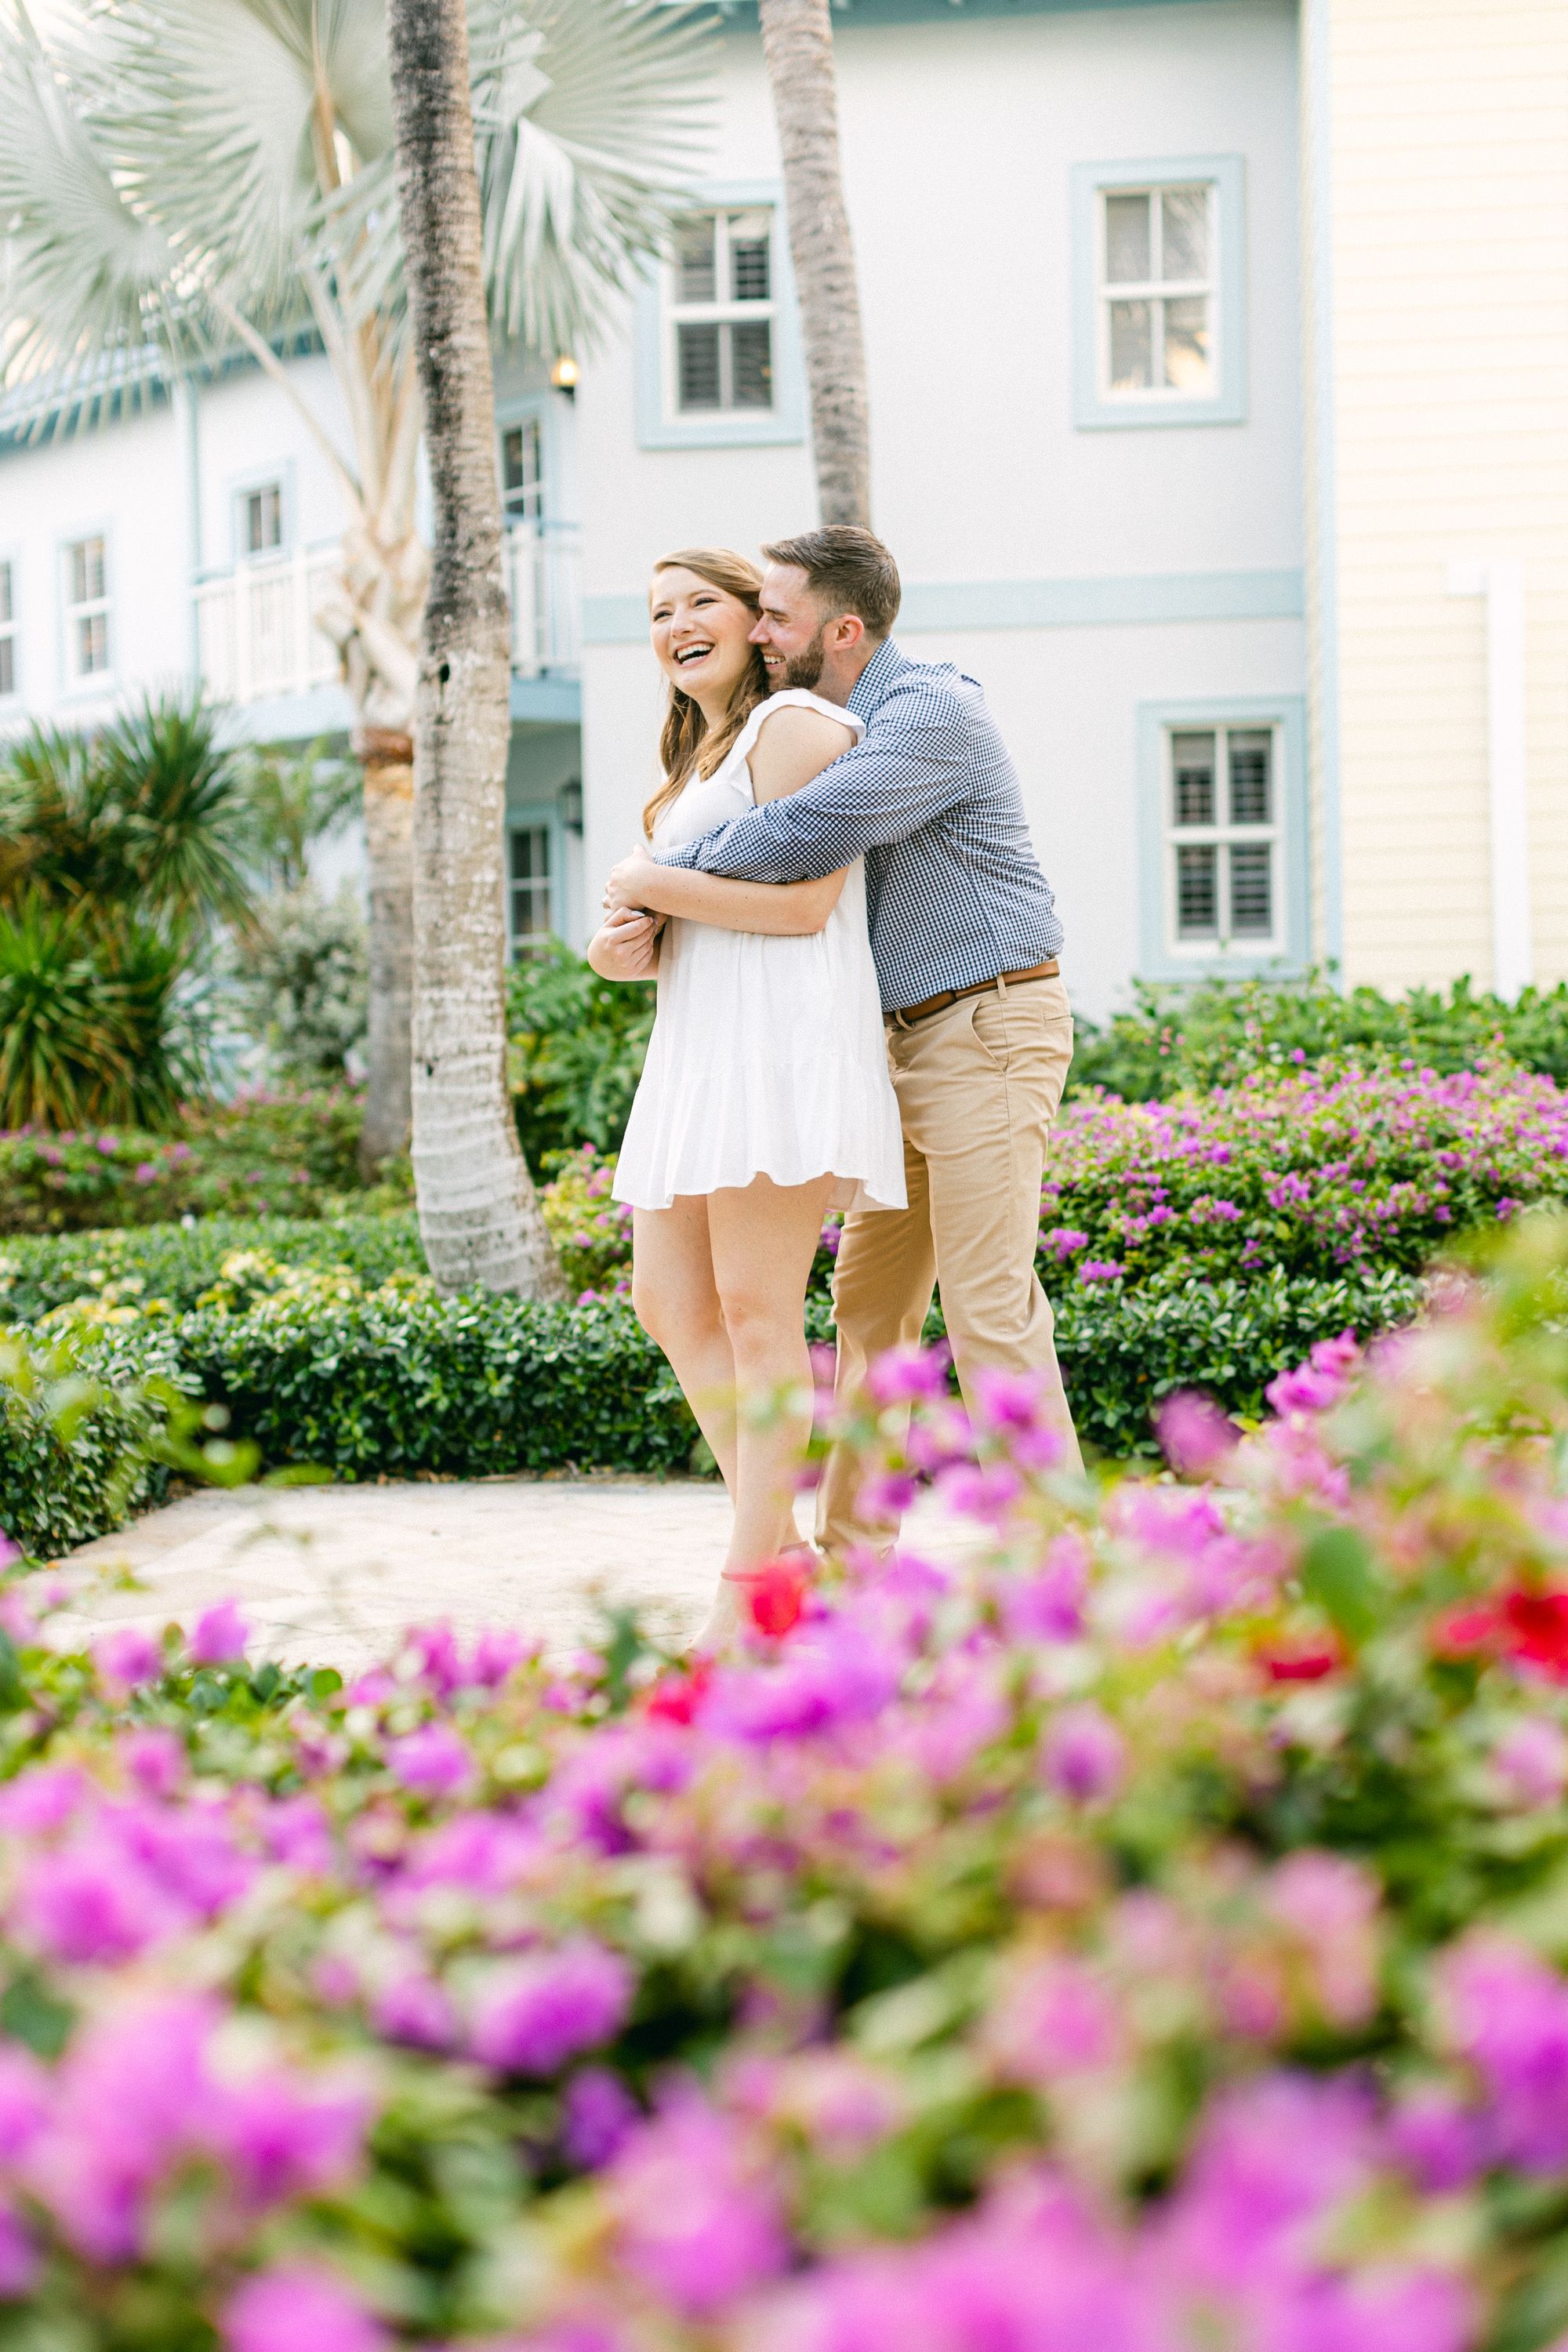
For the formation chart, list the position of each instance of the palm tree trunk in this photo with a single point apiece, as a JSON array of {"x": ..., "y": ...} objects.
[
  {"x": 478, "y": 1215},
  {"x": 388, "y": 758},
  {"x": 797, "y": 42}
]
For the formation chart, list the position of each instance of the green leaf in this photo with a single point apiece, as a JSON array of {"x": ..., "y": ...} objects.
[
  {"x": 1337, "y": 1572},
  {"x": 31, "y": 2014}
]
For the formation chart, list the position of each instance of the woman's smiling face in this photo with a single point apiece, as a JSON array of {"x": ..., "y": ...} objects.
[{"x": 702, "y": 634}]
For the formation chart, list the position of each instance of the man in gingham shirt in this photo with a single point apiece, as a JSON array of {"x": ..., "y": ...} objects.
[{"x": 966, "y": 935}]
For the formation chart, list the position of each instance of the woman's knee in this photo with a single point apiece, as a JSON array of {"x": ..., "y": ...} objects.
[
  {"x": 761, "y": 1324},
  {"x": 672, "y": 1317}
]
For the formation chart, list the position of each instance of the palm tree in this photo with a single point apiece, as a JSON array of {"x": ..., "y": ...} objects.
[
  {"x": 180, "y": 179},
  {"x": 462, "y": 1116},
  {"x": 797, "y": 42}
]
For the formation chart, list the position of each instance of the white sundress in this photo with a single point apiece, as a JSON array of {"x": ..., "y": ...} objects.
[{"x": 768, "y": 1055}]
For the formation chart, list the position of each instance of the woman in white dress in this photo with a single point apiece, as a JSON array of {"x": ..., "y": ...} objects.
[{"x": 765, "y": 1097}]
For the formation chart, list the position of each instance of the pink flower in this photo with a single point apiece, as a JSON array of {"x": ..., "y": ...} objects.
[
  {"x": 902, "y": 1374},
  {"x": 699, "y": 2220},
  {"x": 298, "y": 2308},
  {"x": 128, "y": 1656},
  {"x": 1531, "y": 1761},
  {"x": 1085, "y": 1754},
  {"x": 155, "y": 1760},
  {"x": 24, "y": 2100},
  {"x": 1197, "y": 1437},
  {"x": 537, "y": 2012},
  {"x": 1051, "y": 2020},
  {"x": 86, "y": 1904},
  {"x": 433, "y": 1761},
  {"x": 18, "y": 2256},
  {"x": 1332, "y": 1903},
  {"x": 1048, "y": 1606},
  {"x": 417, "y": 2009},
  {"x": 597, "y": 2113},
  {"x": 281, "y": 2138},
  {"x": 1507, "y": 2013},
  {"x": 220, "y": 1636},
  {"x": 1101, "y": 1269}
]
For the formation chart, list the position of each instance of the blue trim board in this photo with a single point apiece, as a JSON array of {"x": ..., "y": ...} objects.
[
  {"x": 982, "y": 604},
  {"x": 552, "y": 701},
  {"x": 1092, "y": 410},
  {"x": 1157, "y": 961},
  {"x": 784, "y": 422}
]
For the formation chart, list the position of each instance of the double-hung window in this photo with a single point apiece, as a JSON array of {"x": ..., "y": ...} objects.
[
  {"x": 261, "y": 519},
  {"x": 522, "y": 470},
  {"x": 1159, "y": 267},
  {"x": 1158, "y": 294},
  {"x": 7, "y": 628},
  {"x": 87, "y": 607},
  {"x": 530, "y": 889},
  {"x": 721, "y": 313},
  {"x": 1224, "y": 838}
]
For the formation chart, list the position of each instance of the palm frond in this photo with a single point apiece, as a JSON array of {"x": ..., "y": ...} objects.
[{"x": 90, "y": 284}]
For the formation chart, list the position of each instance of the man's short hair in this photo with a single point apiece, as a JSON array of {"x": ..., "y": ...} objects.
[{"x": 849, "y": 569}]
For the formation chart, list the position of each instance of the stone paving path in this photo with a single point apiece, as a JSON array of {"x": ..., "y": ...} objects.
[{"x": 332, "y": 1574}]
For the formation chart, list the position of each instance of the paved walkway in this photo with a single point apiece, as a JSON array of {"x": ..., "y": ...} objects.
[{"x": 333, "y": 1574}]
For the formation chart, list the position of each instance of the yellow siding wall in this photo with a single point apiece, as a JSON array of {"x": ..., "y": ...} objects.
[{"x": 1445, "y": 149}]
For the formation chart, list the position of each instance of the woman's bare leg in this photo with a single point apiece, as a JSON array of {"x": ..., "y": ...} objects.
[
  {"x": 763, "y": 1237},
  {"x": 677, "y": 1302}
]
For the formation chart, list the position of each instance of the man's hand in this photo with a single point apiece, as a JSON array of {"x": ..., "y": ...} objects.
[
  {"x": 626, "y": 946},
  {"x": 630, "y": 880}
]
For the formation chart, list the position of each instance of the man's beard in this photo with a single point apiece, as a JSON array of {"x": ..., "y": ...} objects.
[{"x": 804, "y": 668}]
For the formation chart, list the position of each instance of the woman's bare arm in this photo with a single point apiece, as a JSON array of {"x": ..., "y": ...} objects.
[
  {"x": 781, "y": 909},
  {"x": 792, "y": 748}
]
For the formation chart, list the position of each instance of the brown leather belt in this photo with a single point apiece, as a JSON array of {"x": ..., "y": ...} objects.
[{"x": 940, "y": 1002}]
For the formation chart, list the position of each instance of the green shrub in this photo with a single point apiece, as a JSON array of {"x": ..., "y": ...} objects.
[
  {"x": 577, "y": 1044},
  {"x": 178, "y": 1263},
  {"x": 265, "y": 1153},
  {"x": 300, "y": 971},
  {"x": 1214, "y": 1034},
  {"x": 74, "y": 1426}
]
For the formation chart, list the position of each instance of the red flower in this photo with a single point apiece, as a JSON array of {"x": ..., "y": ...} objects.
[
  {"x": 1536, "y": 1628},
  {"x": 676, "y": 1698},
  {"x": 776, "y": 1595},
  {"x": 1459, "y": 1632},
  {"x": 1304, "y": 1661}
]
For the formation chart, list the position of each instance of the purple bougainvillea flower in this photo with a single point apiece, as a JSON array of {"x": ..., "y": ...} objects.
[
  {"x": 537, "y": 2012},
  {"x": 597, "y": 2113},
  {"x": 220, "y": 1635},
  {"x": 299, "y": 2308},
  {"x": 433, "y": 1761},
  {"x": 128, "y": 1656},
  {"x": 1084, "y": 1753},
  {"x": 902, "y": 1374},
  {"x": 1197, "y": 1437},
  {"x": 698, "y": 2218}
]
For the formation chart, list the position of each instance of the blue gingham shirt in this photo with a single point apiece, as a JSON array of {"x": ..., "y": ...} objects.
[{"x": 931, "y": 799}]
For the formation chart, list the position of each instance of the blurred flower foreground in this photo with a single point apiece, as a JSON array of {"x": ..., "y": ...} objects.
[{"x": 1148, "y": 1938}]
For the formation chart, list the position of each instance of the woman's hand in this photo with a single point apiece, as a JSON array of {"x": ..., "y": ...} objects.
[
  {"x": 631, "y": 882},
  {"x": 626, "y": 946}
]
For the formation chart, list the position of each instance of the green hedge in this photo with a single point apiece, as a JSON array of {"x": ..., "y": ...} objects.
[
  {"x": 396, "y": 1381},
  {"x": 178, "y": 1263},
  {"x": 73, "y": 1463}
]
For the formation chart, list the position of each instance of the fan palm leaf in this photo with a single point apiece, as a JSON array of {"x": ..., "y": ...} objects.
[{"x": 86, "y": 1005}]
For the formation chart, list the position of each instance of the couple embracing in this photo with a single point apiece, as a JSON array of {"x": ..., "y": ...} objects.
[{"x": 859, "y": 1008}]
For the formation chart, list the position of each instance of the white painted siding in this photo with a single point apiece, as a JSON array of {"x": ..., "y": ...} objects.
[{"x": 1449, "y": 139}]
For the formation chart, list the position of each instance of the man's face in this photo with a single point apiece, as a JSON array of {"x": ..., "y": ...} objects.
[{"x": 791, "y": 630}]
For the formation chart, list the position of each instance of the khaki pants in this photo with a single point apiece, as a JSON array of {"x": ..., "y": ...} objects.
[{"x": 978, "y": 1087}]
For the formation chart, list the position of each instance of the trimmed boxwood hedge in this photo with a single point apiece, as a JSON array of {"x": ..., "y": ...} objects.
[{"x": 396, "y": 1381}]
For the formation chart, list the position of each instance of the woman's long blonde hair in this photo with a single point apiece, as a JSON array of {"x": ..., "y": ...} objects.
[{"x": 686, "y": 745}]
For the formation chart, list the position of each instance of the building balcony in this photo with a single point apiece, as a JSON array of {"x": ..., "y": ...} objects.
[{"x": 257, "y": 640}]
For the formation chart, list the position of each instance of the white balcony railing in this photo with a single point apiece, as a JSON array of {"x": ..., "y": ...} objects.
[
  {"x": 257, "y": 628},
  {"x": 541, "y": 581}
]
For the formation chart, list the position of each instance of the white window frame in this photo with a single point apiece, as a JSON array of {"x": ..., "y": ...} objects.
[
  {"x": 242, "y": 488},
  {"x": 1224, "y": 835},
  {"x": 10, "y": 626},
  {"x": 724, "y": 310},
  {"x": 1163, "y": 955},
  {"x": 659, "y": 424},
  {"x": 542, "y": 823},
  {"x": 74, "y": 611},
  {"x": 1095, "y": 405},
  {"x": 525, "y": 418}
]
